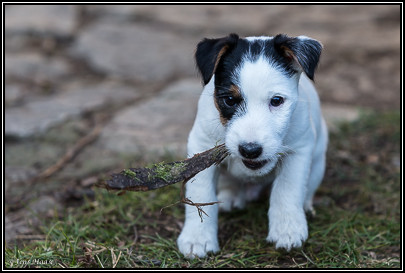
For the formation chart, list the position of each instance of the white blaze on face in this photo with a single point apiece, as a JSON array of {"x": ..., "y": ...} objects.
[{"x": 260, "y": 122}]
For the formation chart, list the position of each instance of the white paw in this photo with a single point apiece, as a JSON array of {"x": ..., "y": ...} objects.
[
  {"x": 288, "y": 230},
  {"x": 197, "y": 244}
]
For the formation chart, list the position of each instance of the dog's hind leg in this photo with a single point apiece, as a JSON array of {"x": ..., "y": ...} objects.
[
  {"x": 317, "y": 171},
  {"x": 231, "y": 193},
  {"x": 315, "y": 179}
]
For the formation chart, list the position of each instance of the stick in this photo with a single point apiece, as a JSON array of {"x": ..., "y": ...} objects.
[{"x": 164, "y": 174}]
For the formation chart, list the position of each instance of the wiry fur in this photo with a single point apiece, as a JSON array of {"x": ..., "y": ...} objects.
[{"x": 283, "y": 145}]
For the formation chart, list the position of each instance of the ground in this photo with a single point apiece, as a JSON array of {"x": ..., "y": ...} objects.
[{"x": 95, "y": 89}]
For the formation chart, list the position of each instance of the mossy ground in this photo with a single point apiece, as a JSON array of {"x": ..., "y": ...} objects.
[{"x": 357, "y": 224}]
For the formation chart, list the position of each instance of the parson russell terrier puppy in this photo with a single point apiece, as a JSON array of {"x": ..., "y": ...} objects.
[{"x": 259, "y": 100}]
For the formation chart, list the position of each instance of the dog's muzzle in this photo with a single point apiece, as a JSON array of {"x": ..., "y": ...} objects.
[
  {"x": 251, "y": 151},
  {"x": 254, "y": 165}
]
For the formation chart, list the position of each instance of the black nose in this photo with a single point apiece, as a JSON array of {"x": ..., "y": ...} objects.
[{"x": 250, "y": 150}]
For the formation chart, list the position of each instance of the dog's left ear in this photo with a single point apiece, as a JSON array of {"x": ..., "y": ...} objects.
[
  {"x": 209, "y": 53},
  {"x": 302, "y": 52}
]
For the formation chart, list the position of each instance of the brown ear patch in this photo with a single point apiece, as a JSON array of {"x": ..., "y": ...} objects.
[
  {"x": 300, "y": 53},
  {"x": 220, "y": 53},
  {"x": 289, "y": 54}
]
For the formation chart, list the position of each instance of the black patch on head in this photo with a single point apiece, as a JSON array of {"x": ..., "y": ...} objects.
[
  {"x": 301, "y": 53},
  {"x": 224, "y": 81},
  {"x": 221, "y": 57},
  {"x": 210, "y": 51}
]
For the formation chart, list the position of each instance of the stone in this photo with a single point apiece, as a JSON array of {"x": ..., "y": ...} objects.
[
  {"x": 15, "y": 174},
  {"x": 155, "y": 127},
  {"x": 13, "y": 94},
  {"x": 217, "y": 20},
  {"x": 33, "y": 67},
  {"x": 135, "y": 52},
  {"x": 37, "y": 116},
  {"x": 44, "y": 206},
  {"x": 54, "y": 19},
  {"x": 118, "y": 13},
  {"x": 9, "y": 230}
]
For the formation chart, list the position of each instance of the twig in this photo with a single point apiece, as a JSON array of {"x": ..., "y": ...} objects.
[
  {"x": 114, "y": 257},
  {"x": 70, "y": 154},
  {"x": 187, "y": 201},
  {"x": 135, "y": 235}
]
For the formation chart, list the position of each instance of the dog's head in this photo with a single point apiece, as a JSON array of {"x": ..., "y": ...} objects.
[{"x": 256, "y": 91}]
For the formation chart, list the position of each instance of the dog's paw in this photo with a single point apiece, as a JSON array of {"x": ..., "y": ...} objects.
[
  {"x": 288, "y": 232},
  {"x": 193, "y": 245}
]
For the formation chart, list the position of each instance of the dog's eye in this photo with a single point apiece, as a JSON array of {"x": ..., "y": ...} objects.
[
  {"x": 230, "y": 101},
  {"x": 276, "y": 101}
]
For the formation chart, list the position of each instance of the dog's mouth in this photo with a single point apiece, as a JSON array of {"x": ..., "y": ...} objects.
[{"x": 254, "y": 165}]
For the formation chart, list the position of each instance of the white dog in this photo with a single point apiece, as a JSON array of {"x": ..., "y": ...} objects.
[{"x": 257, "y": 100}]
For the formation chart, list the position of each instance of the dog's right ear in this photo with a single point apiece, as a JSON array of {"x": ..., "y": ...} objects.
[
  {"x": 209, "y": 53},
  {"x": 301, "y": 52}
]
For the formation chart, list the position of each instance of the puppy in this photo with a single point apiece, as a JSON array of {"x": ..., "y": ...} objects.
[{"x": 259, "y": 100}]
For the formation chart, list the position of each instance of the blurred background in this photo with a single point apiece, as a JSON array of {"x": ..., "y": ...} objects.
[{"x": 91, "y": 89}]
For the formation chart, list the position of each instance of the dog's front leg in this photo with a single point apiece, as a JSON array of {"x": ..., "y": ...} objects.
[
  {"x": 287, "y": 222},
  {"x": 200, "y": 235}
]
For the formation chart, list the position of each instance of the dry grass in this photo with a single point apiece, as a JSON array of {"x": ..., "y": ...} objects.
[{"x": 357, "y": 223}]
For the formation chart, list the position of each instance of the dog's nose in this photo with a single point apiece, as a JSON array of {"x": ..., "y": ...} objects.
[{"x": 250, "y": 150}]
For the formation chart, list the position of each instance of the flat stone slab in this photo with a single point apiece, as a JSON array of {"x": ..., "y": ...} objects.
[
  {"x": 34, "y": 67},
  {"x": 135, "y": 51},
  {"x": 37, "y": 116},
  {"x": 55, "y": 19},
  {"x": 158, "y": 126}
]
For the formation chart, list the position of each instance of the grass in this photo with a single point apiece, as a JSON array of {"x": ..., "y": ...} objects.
[{"x": 357, "y": 224}]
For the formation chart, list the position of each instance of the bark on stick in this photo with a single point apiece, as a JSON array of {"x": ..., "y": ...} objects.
[{"x": 164, "y": 174}]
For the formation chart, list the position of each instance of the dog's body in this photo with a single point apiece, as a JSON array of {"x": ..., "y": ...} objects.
[{"x": 268, "y": 114}]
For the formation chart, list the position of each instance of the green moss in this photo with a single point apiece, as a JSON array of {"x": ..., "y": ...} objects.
[
  {"x": 130, "y": 173},
  {"x": 168, "y": 172},
  {"x": 178, "y": 168},
  {"x": 217, "y": 151}
]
